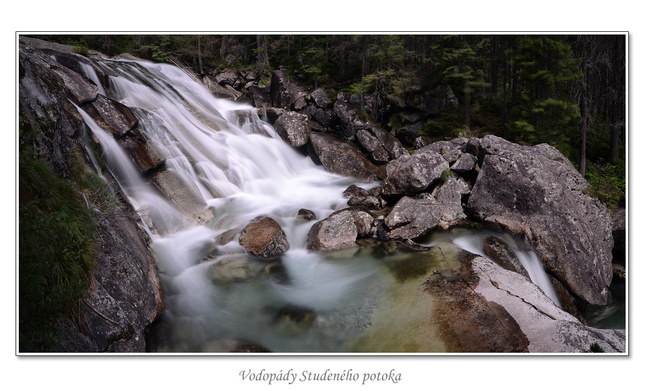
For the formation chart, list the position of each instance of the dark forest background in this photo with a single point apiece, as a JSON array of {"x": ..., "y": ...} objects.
[{"x": 565, "y": 90}]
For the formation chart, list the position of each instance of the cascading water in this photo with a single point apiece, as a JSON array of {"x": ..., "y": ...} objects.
[
  {"x": 235, "y": 167},
  {"x": 473, "y": 242}
]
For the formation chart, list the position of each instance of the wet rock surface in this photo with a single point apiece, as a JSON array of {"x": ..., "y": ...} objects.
[{"x": 264, "y": 238}]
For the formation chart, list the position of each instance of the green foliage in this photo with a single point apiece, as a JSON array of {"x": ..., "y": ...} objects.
[
  {"x": 607, "y": 182},
  {"x": 82, "y": 50},
  {"x": 447, "y": 174},
  {"x": 450, "y": 124},
  {"x": 56, "y": 251}
]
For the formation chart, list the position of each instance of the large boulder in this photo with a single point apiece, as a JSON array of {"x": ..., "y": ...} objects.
[
  {"x": 537, "y": 193},
  {"x": 293, "y": 128},
  {"x": 349, "y": 123},
  {"x": 340, "y": 230},
  {"x": 448, "y": 195},
  {"x": 411, "y": 174},
  {"x": 380, "y": 145},
  {"x": 279, "y": 90},
  {"x": 321, "y": 99},
  {"x": 264, "y": 238},
  {"x": 341, "y": 157},
  {"x": 411, "y": 218},
  {"x": 125, "y": 295}
]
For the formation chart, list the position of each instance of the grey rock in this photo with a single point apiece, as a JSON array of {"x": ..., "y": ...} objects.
[
  {"x": 125, "y": 296},
  {"x": 144, "y": 154},
  {"x": 355, "y": 191},
  {"x": 466, "y": 162},
  {"x": 548, "y": 328},
  {"x": 412, "y": 174},
  {"x": 226, "y": 78},
  {"x": 448, "y": 150},
  {"x": 348, "y": 118},
  {"x": 232, "y": 268},
  {"x": 369, "y": 202},
  {"x": 337, "y": 232},
  {"x": 536, "y": 192},
  {"x": 321, "y": 99},
  {"x": 448, "y": 196},
  {"x": 500, "y": 252},
  {"x": 185, "y": 195},
  {"x": 380, "y": 145},
  {"x": 372, "y": 146},
  {"x": 341, "y": 157},
  {"x": 411, "y": 218},
  {"x": 293, "y": 128},
  {"x": 111, "y": 115}
]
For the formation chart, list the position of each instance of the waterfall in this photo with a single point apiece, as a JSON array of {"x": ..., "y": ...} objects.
[
  {"x": 235, "y": 167},
  {"x": 228, "y": 167}
]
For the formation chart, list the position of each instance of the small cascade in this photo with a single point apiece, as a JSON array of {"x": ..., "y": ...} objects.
[
  {"x": 473, "y": 242},
  {"x": 90, "y": 73}
]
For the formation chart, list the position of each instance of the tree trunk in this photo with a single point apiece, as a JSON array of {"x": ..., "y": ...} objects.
[
  {"x": 494, "y": 66},
  {"x": 262, "y": 56},
  {"x": 467, "y": 91},
  {"x": 224, "y": 48},
  {"x": 199, "y": 55},
  {"x": 341, "y": 61},
  {"x": 584, "y": 114},
  {"x": 616, "y": 125},
  {"x": 504, "y": 96}
]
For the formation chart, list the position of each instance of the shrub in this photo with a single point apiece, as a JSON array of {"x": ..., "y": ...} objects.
[{"x": 56, "y": 253}]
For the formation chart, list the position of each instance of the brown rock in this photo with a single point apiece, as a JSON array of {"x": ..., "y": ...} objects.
[{"x": 264, "y": 238}]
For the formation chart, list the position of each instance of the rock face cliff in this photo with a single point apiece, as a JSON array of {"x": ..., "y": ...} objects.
[{"x": 125, "y": 295}]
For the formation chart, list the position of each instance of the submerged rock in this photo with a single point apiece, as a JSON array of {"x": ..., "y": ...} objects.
[
  {"x": 306, "y": 214},
  {"x": 501, "y": 253},
  {"x": 232, "y": 268},
  {"x": 264, "y": 238},
  {"x": 293, "y": 319},
  {"x": 536, "y": 192}
]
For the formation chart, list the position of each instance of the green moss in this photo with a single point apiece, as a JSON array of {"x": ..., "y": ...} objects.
[
  {"x": 56, "y": 252},
  {"x": 446, "y": 174}
]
